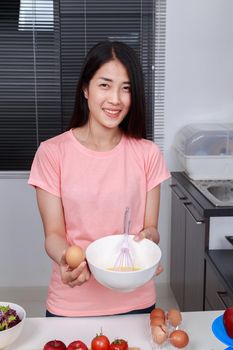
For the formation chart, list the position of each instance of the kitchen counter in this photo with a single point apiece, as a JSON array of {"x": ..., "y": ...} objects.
[
  {"x": 134, "y": 328},
  {"x": 206, "y": 208}
]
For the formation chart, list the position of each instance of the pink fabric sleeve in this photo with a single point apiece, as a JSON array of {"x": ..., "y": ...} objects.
[
  {"x": 45, "y": 171},
  {"x": 156, "y": 169}
]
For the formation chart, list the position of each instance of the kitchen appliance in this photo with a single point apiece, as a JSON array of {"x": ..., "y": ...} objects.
[
  {"x": 220, "y": 232},
  {"x": 205, "y": 150}
]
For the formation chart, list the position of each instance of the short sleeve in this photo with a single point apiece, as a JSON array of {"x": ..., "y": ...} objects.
[
  {"x": 156, "y": 169},
  {"x": 45, "y": 170}
]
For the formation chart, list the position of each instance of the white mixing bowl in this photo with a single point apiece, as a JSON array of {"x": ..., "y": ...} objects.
[
  {"x": 8, "y": 336},
  {"x": 102, "y": 254}
]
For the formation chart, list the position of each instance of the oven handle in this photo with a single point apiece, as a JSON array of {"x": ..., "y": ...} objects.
[
  {"x": 222, "y": 296},
  {"x": 178, "y": 192},
  {"x": 230, "y": 239},
  {"x": 194, "y": 213}
]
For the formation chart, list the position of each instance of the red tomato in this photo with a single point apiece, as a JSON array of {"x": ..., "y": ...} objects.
[
  {"x": 77, "y": 345},
  {"x": 100, "y": 342},
  {"x": 119, "y": 344}
]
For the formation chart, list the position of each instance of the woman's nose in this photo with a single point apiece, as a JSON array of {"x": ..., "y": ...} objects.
[{"x": 114, "y": 96}]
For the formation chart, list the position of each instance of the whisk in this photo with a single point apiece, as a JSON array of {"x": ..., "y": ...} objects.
[{"x": 124, "y": 261}]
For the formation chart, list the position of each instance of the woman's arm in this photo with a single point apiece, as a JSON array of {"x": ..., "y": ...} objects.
[
  {"x": 151, "y": 216},
  {"x": 151, "y": 221},
  {"x": 52, "y": 215},
  {"x": 51, "y": 211}
]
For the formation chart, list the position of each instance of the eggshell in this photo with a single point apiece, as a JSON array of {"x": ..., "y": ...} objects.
[
  {"x": 159, "y": 334},
  {"x": 179, "y": 339},
  {"x": 157, "y": 312},
  {"x": 157, "y": 321},
  {"x": 174, "y": 317},
  {"x": 74, "y": 256}
]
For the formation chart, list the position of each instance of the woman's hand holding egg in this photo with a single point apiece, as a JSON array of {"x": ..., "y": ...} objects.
[
  {"x": 74, "y": 256},
  {"x": 77, "y": 271}
]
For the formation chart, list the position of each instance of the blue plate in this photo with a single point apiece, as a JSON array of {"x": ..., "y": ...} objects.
[{"x": 220, "y": 332}]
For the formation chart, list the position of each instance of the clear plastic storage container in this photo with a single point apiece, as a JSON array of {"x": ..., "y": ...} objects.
[{"x": 206, "y": 150}]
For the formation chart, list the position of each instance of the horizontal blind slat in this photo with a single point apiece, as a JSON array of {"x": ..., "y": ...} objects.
[{"x": 40, "y": 59}]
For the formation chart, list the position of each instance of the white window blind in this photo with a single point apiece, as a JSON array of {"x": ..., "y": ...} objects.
[
  {"x": 42, "y": 46},
  {"x": 37, "y": 15},
  {"x": 30, "y": 93},
  {"x": 159, "y": 71},
  {"x": 83, "y": 23}
]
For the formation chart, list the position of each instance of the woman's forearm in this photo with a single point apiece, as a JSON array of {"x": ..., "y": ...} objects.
[{"x": 55, "y": 245}]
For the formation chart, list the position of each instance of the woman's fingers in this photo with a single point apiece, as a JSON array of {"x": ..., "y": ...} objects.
[
  {"x": 74, "y": 277},
  {"x": 82, "y": 278},
  {"x": 159, "y": 270},
  {"x": 149, "y": 233},
  {"x": 64, "y": 269},
  {"x": 139, "y": 236}
]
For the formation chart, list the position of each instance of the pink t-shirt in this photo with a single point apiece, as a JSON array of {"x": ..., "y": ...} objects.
[{"x": 95, "y": 188}]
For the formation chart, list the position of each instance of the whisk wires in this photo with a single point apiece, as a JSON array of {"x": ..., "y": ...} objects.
[{"x": 124, "y": 261}]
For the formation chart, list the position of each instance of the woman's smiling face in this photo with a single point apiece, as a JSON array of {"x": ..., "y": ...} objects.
[{"x": 109, "y": 95}]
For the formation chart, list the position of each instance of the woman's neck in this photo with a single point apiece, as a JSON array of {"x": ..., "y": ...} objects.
[{"x": 98, "y": 140}]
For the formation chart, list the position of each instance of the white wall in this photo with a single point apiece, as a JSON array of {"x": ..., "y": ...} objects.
[
  {"x": 199, "y": 87},
  {"x": 199, "y": 73},
  {"x": 199, "y": 80},
  {"x": 23, "y": 261}
]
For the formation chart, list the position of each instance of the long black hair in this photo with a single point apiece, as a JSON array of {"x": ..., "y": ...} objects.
[{"x": 103, "y": 52}]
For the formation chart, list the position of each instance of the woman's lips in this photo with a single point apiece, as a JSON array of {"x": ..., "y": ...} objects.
[{"x": 112, "y": 113}]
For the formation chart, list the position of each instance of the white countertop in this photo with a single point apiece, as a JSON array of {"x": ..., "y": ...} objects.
[{"x": 134, "y": 328}]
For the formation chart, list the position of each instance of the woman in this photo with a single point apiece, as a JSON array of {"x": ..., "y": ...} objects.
[{"x": 88, "y": 175}]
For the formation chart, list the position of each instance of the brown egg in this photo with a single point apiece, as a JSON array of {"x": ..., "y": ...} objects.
[
  {"x": 157, "y": 321},
  {"x": 74, "y": 256},
  {"x": 174, "y": 317},
  {"x": 157, "y": 312},
  {"x": 179, "y": 339},
  {"x": 159, "y": 334}
]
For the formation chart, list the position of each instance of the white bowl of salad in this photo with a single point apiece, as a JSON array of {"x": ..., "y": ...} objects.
[{"x": 12, "y": 317}]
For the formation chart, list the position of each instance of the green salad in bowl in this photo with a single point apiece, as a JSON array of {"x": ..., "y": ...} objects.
[
  {"x": 8, "y": 317},
  {"x": 12, "y": 319}
]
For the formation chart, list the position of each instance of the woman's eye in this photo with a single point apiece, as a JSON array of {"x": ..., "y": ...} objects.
[
  {"x": 127, "y": 88},
  {"x": 104, "y": 85}
]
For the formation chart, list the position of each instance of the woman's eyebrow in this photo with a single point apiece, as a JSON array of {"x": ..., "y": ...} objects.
[
  {"x": 105, "y": 79},
  {"x": 110, "y": 80}
]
